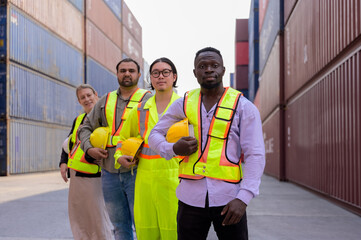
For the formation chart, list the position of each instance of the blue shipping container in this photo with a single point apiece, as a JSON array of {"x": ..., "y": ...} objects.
[
  {"x": 33, "y": 46},
  {"x": 272, "y": 24},
  {"x": 34, "y": 147},
  {"x": 79, "y": 4},
  {"x": 35, "y": 97},
  {"x": 253, "y": 85},
  {"x": 116, "y": 7},
  {"x": 100, "y": 78}
]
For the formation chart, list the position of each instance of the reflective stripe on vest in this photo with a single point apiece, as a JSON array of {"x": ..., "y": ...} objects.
[
  {"x": 76, "y": 159},
  {"x": 143, "y": 125},
  {"x": 212, "y": 161},
  {"x": 110, "y": 113}
]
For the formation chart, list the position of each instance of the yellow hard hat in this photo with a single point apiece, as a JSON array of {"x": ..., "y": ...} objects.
[
  {"x": 178, "y": 130},
  {"x": 132, "y": 146},
  {"x": 99, "y": 137}
]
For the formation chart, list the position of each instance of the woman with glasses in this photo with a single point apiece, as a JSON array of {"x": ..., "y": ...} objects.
[{"x": 155, "y": 201}]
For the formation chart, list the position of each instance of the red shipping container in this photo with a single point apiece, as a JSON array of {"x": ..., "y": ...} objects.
[
  {"x": 288, "y": 8},
  {"x": 272, "y": 137},
  {"x": 317, "y": 32},
  {"x": 324, "y": 133},
  {"x": 59, "y": 16},
  {"x": 242, "y": 53},
  {"x": 101, "y": 48},
  {"x": 241, "y": 30},
  {"x": 131, "y": 23},
  {"x": 241, "y": 77},
  {"x": 270, "y": 82},
  {"x": 101, "y": 16}
]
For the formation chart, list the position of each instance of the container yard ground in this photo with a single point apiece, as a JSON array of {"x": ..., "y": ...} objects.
[{"x": 34, "y": 206}]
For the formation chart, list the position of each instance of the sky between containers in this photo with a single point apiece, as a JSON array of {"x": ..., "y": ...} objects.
[{"x": 177, "y": 29}]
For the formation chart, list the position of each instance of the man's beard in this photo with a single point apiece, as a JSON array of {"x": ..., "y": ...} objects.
[
  {"x": 210, "y": 85},
  {"x": 128, "y": 83}
]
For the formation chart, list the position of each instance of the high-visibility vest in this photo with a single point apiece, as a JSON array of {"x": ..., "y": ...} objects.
[
  {"x": 110, "y": 113},
  {"x": 212, "y": 161},
  {"x": 145, "y": 125},
  {"x": 76, "y": 158}
]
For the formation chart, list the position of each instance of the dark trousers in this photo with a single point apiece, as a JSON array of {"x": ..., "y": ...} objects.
[{"x": 194, "y": 223}]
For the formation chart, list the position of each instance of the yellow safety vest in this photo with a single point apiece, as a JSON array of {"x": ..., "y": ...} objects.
[
  {"x": 212, "y": 161},
  {"x": 76, "y": 159},
  {"x": 110, "y": 113}
]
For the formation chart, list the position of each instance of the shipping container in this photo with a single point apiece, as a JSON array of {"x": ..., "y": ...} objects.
[
  {"x": 288, "y": 8},
  {"x": 100, "y": 78},
  {"x": 242, "y": 53},
  {"x": 242, "y": 77},
  {"x": 131, "y": 47},
  {"x": 272, "y": 26},
  {"x": 34, "y": 146},
  {"x": 244, "y": 92},
  {"x": 34, "y": 46},
  {"x": 61, "y": 17},
  {"x": 79, "y": 4},
  {"x": 241, "y": 30},
  {"x": 232, "y": 83},
  {"x": 101, "y": 48},
  {"x": 324, "y": 133},
  {"x": 272, "y": 140},
  {"x": 116, "y": 7},
  {"x": 131, "y": 23},
  {"x": 253, "y": 52},
  {"x": 270, "y": 82},
  {"x": 33, "y": 96},
  {"x": 316, "y": 33},
  {"x": 263, "y": 4},
  {"x": 100, "y": 15}
]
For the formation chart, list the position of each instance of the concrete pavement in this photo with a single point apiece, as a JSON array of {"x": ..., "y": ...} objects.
[{"x": 34, "y": 207}]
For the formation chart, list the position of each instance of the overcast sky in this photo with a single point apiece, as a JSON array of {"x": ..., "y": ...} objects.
[{"x": 177, "y": 29}]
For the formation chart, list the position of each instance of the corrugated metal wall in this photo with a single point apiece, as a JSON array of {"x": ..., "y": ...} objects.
[
  {"x": 50, "y": 48},
  {"x": 313, "y": 104}
]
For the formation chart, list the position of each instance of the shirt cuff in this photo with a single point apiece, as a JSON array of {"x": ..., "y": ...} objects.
[
  {"x": 245, "y": 196},
  {"x": 167, "y": 151}
]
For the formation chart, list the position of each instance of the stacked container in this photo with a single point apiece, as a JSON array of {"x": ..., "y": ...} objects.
[
  {"x": 310, "y": 95},
  {"x": 241, "y": 69},
  {"x": 322, "y": 88},
  {"x": 271, "y": 84},
  {"x": 41, "y": 64},
  {"x": 48, "y": 48},
  {"x": 253, "y": 38}
]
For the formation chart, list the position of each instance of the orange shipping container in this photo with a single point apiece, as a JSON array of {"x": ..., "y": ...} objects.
[
  {"x": 100, "y": 14},
  {"x": 61, "y": 17},
  {"x": 101, "y": 48}
]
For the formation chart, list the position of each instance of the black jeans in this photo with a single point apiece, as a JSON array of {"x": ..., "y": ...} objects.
[{"x": 194, "y": 223}]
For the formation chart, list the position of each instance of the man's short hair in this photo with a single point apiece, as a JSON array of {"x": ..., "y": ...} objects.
[
  {"x": 208, "y": 49},
  {"x": 128, "y": 60}
]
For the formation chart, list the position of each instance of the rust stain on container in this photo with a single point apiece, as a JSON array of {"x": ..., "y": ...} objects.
[{"x": 101, "y": 16}]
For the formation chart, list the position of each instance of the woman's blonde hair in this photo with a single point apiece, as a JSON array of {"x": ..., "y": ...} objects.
[{"x": 84, "y": 86}]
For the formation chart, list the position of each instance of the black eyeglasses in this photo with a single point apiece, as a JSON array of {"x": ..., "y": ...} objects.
[{"x": 165, "y": 73}]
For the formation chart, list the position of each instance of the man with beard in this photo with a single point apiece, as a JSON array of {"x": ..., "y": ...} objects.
[
  {"x": 111, "y": 111},
  {"x": 214, "y": 187}
]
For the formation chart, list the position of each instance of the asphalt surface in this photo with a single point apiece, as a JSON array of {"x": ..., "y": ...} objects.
[{"x": 34, "y": 207}]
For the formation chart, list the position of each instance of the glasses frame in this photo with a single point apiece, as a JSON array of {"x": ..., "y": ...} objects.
[{"x": 161, "y": 72}]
